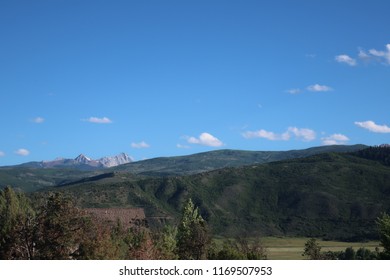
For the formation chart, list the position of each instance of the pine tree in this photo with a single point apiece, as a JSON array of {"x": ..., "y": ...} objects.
[
  {"x": 384, "y": 234},
  {"x": 192, "y": 234}
]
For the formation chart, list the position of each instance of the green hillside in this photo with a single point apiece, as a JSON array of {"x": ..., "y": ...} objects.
[{"x": 330, "y": 195}]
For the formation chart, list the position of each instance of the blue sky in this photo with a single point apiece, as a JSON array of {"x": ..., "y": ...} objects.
[{"x": 164, "y": 78}]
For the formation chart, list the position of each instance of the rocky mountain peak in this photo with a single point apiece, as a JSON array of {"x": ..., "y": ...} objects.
[
  {"x": 82, "y": 159},
  {"x": 122, "y": 158}
]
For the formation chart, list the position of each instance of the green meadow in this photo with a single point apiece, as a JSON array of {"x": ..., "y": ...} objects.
[{"x": 291, "y": 248}]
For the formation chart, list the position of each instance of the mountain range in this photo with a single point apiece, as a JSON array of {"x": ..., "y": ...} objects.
[
  {"x": 82, "y": 162},
  {"x": 32, "y": 176}
]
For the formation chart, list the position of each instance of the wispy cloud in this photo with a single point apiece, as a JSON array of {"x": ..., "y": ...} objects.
[
  {"x": 2, "y": 154},
  {"x": 38, "y": 120},
  {"x": 335, "y": 139},
  {"x": 205, "y": 139},
  {"x": 22, "y": 152},
  {"x": 140, "y": 145},
  {"x": 385, "y": 55},
  {"x": 294, "y": 91},
  {"x": 103, "y": 120},
  {"x": 303, "y": 134},
  {"x": 363, "y": 55},
  {"x": 318, "y": 88},
  {"x": 373, "y": 127},
  {"x": 312, "y": 88},
  {"x": 343, "y": 58},
  {"x": 382, "y": 56}
]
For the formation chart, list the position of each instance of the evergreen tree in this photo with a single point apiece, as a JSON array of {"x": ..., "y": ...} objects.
[
  {"x": 192, "y": 234},
  {"x": 384, "y": 234},
  {"x": 60, "y": 228}
]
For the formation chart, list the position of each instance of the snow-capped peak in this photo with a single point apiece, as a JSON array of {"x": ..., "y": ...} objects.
[
  {"x": 83, "y": 159},
  {"x": 115, "y": 160}
]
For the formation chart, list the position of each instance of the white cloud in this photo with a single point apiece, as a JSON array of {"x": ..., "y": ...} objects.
[
  {"x": 140, "y": 145},
  {"x": 318, "y": 88},
  {"x": 372, "y": 126},
  {"x": 335, "y": 139},
  {"x": 103, "y": 120},
  {"x": 205, "y": 139},
  {"x": 382, "y": 54},
  {"x": 294, "y": 91},
  {"x": 266, "y": 134},
  {"x": 22, "y": 152},
  {"x": 303, "y": 134},
  {"x": 2, "y": 154},
  {"x": 343, "y": 58},
  {"x": 38, "y": 120}
]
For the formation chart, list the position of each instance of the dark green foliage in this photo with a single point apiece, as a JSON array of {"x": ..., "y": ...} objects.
[
  {"x": 383, "y": 223},
  {"x": 366, "y": 254},
  {"x": 379, "y": 153},
  {"x": 17, "y": 221},
  {"x": 350, "y": 253}
]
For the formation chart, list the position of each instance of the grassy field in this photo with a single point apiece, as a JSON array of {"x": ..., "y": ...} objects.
[{"x": 291, "y": 248}]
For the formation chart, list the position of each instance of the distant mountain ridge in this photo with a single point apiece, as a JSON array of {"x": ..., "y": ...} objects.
[
  {"x": 217, "y": 159},
  {"x": 82, "y": 162}
]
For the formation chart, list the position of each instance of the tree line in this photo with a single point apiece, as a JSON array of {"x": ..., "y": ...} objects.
[{"x": 379, "y": 153}]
